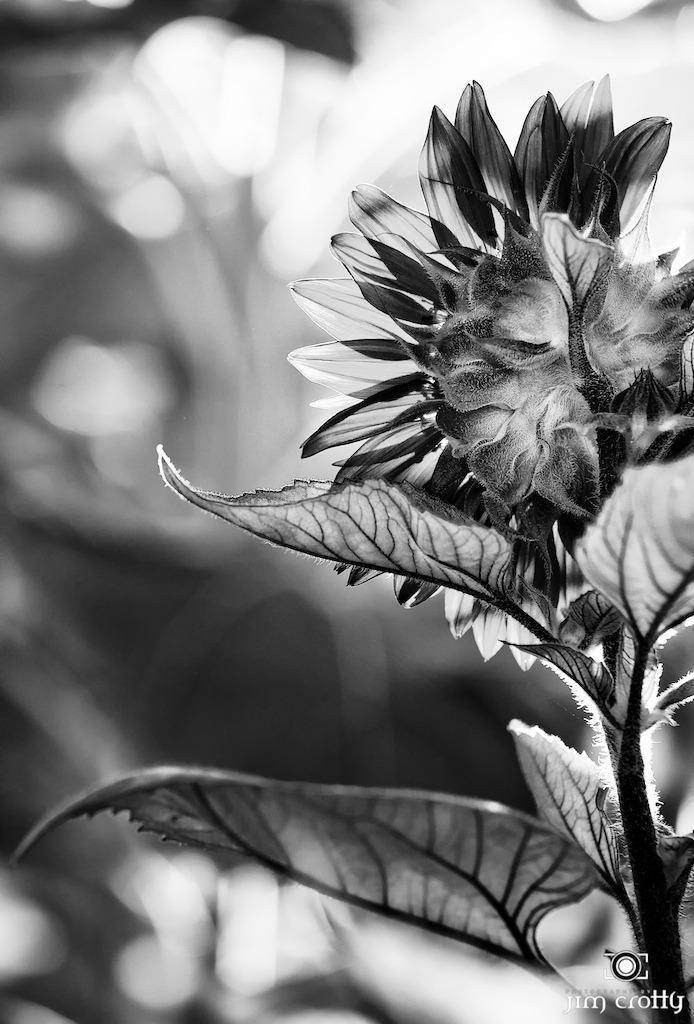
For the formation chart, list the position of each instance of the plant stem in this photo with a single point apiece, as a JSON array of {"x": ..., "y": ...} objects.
[{"x": 658, "y": 910}]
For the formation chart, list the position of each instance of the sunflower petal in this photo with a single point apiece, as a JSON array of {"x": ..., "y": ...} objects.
[
  {"x": 633, "y": 159},
  {"x": 599, "y": 127},
  {"x": 381, "y": 264},
  {"x": 369, "y": 417},
  {"x": 339, "y": 307},
  {"x": 377, "y": 348},
  {"x": 461, "y": 610},
  {"x": 403, "y": 308},
  {"x": 375, "y": 213},
  {"x": 390, "y": 453},
  {"x": 450, "y": 177},
  {"x": 488, "y": 629},
  {"x": 338, "y": 367},
  {"x": 410, "y": 593},
  {"x": 587, "y": 115},
  {"x": 574, "y": 111},
  {"x": 451, "y": 286},
  {"x": 543, "y": 140},
  {"x": 359, "y": 574},
  {"x": 478, "y": 128}
]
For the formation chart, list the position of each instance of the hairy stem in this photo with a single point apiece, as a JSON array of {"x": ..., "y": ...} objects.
[{"x": 658, "y": 909}]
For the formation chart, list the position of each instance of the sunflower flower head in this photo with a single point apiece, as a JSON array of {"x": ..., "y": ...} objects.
[{"x": 512, "y": 349}]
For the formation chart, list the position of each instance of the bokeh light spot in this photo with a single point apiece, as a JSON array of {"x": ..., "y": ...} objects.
[
  {"x": 95, "y": 134},
  {"x": 111, "y": 4},
  {"x": 613, "y": 10},
  {"x": 35, "y": 221},
  {"x": 248, "y": 916},
  {"x": 156, "y": 974},
  {"x": 96, "y": 391},
  {"x": 30, "y": 941},
  {"x": 151, "y": 209},
  {"x": 172, "y": 893},
  {"x": 252, "y": 78}
]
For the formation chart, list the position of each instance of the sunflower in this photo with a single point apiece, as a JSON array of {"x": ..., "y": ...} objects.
[{"x": 512, "y": 349}]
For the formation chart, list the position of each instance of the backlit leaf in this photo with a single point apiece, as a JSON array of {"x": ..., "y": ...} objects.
[
  {"x": 579, "y": 264},
  {"x": 589, "y": 619},
  {"x": 679, "y": 693},
  {"x": 373, "y": 524},
  {"x": 677, "y": 855},
  {"x": 576, "y": 667},
  {"x": 625, "y": 664},
  {"x": 569, "y": 793},
  {"x": 471, "y": 870},
  {"x": 640, "y": 550}
]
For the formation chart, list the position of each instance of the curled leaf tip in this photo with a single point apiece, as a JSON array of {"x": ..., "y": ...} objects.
[{"x": 171, "y": 476}]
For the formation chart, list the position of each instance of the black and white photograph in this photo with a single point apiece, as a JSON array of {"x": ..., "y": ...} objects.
[{"x": 346, "y": 511}]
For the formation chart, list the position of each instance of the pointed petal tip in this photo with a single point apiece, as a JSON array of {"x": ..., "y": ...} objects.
[
  {"x": 362, "y": 192},
  {"x": 438, "y": 117},
  {"x": 296, "y": 287}
]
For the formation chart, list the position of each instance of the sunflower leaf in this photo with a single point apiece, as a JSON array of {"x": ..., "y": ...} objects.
[
  {"x": 576, "y": 667},
  {"x": 579, "y": 265},
  {"x": 639, "y": 552},
  {"x": 589, "y": 619},
  {"x": 676, "y": 695},
  {"x": 471, "y": 870},
  {"x": 570, "y": 793},
  {"x": 376, "y": 525}
]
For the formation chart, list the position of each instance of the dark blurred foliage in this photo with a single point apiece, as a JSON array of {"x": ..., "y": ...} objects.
[
  {"x": 319, "y": 26},
  {"x": 147, "y": 228}
]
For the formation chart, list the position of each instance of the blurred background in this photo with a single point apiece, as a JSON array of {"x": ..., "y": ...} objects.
[{"x": 166, "y": 167}]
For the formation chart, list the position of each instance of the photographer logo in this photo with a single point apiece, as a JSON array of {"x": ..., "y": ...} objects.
[{"x": 625, "y": 966}]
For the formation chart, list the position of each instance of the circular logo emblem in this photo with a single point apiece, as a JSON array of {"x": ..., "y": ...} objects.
[{"x": 625, "y": 966}]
